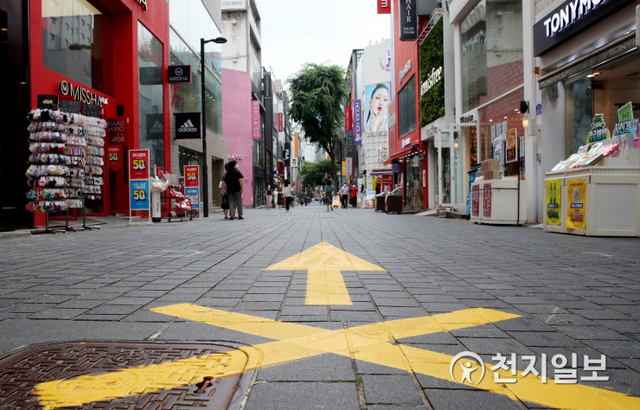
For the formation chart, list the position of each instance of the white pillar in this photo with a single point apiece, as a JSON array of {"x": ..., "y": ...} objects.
[{"x": 534, "y": 188}]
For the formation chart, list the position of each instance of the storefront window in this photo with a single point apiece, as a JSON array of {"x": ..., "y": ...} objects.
[
  {"x": 192, "y": 21},
  {"x": 407, "y": 107},
  {"x": 491, "y": 37},
  {"x": 186, "y": 97},
  {"x": 579, "y": 113},
  {"x": 257, "y": 155},
  {"x": 495, "y": 120},
  {"x": 151, "y": 96},
  {"x": 72, "y": 41},
  {"x": 187, "y": 156}
]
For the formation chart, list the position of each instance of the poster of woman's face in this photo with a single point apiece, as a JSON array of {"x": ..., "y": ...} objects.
[{"x": 377, "y": 107}]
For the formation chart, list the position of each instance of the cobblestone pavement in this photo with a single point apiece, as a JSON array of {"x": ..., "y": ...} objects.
[{"x": 570, "y": 294}]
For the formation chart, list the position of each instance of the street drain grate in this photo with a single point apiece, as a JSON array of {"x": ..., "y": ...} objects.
[{"x": 21, "y": 372}]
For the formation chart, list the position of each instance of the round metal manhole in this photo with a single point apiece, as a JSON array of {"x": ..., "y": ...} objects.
[{"x": 124, "y": 375}]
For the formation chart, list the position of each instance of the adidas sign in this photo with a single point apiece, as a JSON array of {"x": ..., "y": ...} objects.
[
  {"x": 157, "y": 127},
  {"x": 187, "y": 127}
]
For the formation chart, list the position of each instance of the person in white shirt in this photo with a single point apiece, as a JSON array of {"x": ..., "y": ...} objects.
[
  {"x": 344, "y": 195},
  {"x": 286, "y": 192}
]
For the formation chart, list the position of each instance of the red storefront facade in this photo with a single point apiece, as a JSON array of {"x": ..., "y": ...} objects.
[
  {"x": 405, "y": 146},
  {"x": 112, "y": 70}
]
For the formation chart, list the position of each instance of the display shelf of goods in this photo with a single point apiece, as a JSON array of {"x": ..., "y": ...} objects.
[
  {"x": 51, "y": 162},
  {"x": 94, "y": 129}
]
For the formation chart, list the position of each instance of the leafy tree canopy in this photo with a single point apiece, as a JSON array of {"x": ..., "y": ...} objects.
[
  {"x": 314, "y": 173},
  {"x": 318, "y": 93}
]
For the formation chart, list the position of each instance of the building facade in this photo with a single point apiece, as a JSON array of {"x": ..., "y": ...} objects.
[
  {"x": 115, "y": 55},
  {"x": 243, "y": 116}
]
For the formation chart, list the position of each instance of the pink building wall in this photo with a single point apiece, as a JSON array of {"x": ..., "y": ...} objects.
[{"x": 237, "y": 127}]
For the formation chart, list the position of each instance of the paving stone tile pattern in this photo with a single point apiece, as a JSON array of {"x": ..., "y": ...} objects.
[{"x": 573, "y": 294}]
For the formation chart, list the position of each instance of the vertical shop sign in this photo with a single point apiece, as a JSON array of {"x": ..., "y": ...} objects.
[
  {"x": 139, "y": 180},
  {"x": 347, "y": 119},
  {"x": 408, "y": 19},
  {"x": 357, "y": 122},
  {"x": 553, "y": 202},
  {"x": 255, "y": 113},
  {"x": 192, "y": 184},
  {"x": 349, "y": 166},
  {"x": 486, "y": 201},
  {"x": 512, "y": 146},
  {"x": 384, "y": 6},
  {"x": 576, "y": 198},
  {"x": 280, "y": 122},
  {"x": 344, "y": 168},
  {"x": 475, "y": 200}
]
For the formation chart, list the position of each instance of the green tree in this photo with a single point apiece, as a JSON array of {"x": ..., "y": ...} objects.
[
  {"x": 315, "y": 173},
  {"x": 318, "y": 93}
]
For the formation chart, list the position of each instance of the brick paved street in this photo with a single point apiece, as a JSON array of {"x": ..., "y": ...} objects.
[{"x": 570, "y": 294}]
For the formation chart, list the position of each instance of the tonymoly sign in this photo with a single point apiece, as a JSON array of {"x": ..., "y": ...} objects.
[{"x": 569, "y": 19}]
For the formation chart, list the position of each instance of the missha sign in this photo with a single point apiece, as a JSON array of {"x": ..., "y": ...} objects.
[{"x": 570, "y": 19}]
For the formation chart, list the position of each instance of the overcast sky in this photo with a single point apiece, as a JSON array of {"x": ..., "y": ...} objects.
[{"x": 317, "y": 31}]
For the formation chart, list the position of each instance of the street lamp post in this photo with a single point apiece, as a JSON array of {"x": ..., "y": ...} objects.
[{"x": 205, "y": 175}]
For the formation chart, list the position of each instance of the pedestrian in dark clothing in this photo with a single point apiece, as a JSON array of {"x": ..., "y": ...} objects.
[
  {"x": 235, "y": 185},
  {"x": 224, "y": 203},
  {"x": 286, "y": 191}
]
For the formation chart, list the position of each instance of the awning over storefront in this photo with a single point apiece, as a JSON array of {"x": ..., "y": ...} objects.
[
  {"x": 409, "y": 152},
  {"x": 378, "y": 172}
]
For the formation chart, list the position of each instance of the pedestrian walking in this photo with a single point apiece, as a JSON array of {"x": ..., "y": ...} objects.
[
  {"x": 286, "y": 192},
  {"x": 235, "y": 185},
  {"x": 269, "y": 196},
  {"x": 363, "y": 195},
  {"x": 353, "y": 192},
  {"x": 280, "y": 199},
  {"x": 224, "y": 202},
  {"x": 328, "y": 195},
  {"x": 344, "y": 195}
]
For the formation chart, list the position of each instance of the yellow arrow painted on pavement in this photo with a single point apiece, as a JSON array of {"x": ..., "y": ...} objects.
[
  {"x": 325, "y": 285},
  {"x": 367, "y": 342}
]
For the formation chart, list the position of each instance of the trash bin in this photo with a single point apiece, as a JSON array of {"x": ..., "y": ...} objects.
[
  {"x": 393, "y": 204},
  {"x": 380, "y": 203}
]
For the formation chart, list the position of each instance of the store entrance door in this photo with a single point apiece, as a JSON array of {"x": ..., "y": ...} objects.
[{"x": 458, "y": 147}]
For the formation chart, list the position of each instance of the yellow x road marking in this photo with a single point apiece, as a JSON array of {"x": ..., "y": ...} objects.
[{"x": 369, "y": 343}]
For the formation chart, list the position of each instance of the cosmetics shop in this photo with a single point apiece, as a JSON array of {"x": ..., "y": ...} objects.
[{"x": 109, "y": 60}]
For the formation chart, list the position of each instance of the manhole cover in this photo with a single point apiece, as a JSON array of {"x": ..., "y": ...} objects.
[{"x": 122, "y": 375}]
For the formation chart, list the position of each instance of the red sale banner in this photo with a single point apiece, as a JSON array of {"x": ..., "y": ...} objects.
[
  {"x": 115, "y": 157},
  {"x": 192, "y": 176},
  {"x": 139, "y": 164}
]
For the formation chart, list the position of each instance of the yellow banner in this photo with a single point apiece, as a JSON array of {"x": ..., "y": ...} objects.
[
  {"x": 576, "y": 200},
  {"x": 554, "y": 201},
  {"x": 344, "y": 168}
]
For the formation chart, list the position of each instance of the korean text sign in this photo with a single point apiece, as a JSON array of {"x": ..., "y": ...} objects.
[
  {"x": 139, "y": 164},
  {"x": 192, "y": 176}
]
